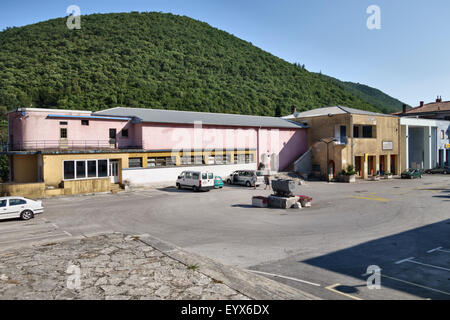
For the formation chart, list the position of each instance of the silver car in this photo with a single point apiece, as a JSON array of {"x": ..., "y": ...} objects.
[{"x": 244, "y": 177}]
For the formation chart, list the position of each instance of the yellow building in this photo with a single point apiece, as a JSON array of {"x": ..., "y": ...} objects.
[{"x": 340, "y": 136}]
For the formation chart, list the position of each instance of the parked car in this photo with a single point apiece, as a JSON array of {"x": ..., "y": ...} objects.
[
  {"x": 218, "y": 182},
  {"x": 19, "y": 207},
  {"x": 412, "y": 174},
  {"x": 441, "y": 170},
  {"x": 196, "y": 180},
  {"x": 244, "y": 177}
]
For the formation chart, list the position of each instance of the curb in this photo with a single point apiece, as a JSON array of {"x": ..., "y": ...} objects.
[{"x": 249, "y": 284}]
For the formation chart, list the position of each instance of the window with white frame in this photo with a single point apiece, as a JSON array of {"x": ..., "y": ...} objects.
[
  {"x": 239, "y": 158},
  {"x": 161, "y": 162},
  {"x": 249, "y": 158},
  {"x": 85, "y": 169}
]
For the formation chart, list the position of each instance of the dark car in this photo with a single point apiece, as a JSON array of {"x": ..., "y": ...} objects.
[
  {"x": 412, "y": 174},
  {"x": 441, "y": 170}
]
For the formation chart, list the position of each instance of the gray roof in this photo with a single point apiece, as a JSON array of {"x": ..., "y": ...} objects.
[
  {"x": 333, "y": 110},
  {"x": 188, "y": 117}
]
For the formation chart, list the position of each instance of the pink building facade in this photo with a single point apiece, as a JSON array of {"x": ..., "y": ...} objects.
[{"x": 154, "y": 134}]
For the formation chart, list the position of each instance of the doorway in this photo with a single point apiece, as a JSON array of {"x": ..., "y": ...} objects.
[
  {"x": 371, "y": 166},
  {"x": 112, "y": 137},
  {"x": 114, "y": 171},
  {"x": 393, "y": 164},
  {"x": 358, "y": 165},
  {"x": 441, "y": 157}
]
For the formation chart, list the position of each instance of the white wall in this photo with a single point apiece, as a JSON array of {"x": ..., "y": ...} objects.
[{"x": 168, "y": 176}]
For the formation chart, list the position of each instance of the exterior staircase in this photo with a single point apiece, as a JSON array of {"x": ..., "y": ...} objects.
[{"x": 115, "y": 187}]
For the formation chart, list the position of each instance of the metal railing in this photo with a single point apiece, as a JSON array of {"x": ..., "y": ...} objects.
[{"x": 64, "y": 145}]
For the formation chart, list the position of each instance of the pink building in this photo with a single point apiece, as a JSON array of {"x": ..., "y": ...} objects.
[{"x": 144, "y": 145}]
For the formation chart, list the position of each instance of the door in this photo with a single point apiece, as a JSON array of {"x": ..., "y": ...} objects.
[
  {"x": 112, "y": 137},
  {"x": 441, "y": 157},
  {"x": 13, "y": 208},
  {"x": 343, "y": 135},
  {"x": 393, "y": 162},
  {"x": 114, "y": 171},
  {"x": 4, "y": 213},
  {"x": 382, "y": 164}
]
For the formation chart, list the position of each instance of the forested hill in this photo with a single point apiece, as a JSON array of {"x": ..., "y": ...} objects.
[{"x": 156, "y": 60}]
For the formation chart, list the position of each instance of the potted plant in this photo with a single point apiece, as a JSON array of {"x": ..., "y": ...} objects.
[
  {"x": 305, "y": 201},
  {"x": 350, "y": 174},
  {"x": 388, "y": 175},
  {"x": 126, "y": 185}
]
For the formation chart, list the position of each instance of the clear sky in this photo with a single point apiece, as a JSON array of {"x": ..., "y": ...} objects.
[{"x": 408, "y": 58}]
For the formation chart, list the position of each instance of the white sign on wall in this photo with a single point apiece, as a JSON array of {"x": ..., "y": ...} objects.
[{"x": 388, "y": 145}]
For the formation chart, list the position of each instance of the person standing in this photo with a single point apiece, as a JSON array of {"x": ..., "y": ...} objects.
[
  {"x": 254, "y": 179},
  {"x": 266, "y": 181}
]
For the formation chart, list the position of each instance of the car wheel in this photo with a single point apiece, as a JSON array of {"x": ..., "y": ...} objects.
[
  {"x": 26, "y": 215},
  {"x": 229, "y": 181},
  {"x": 178, "y": 186},
  {"x": 248, "y": 184},
  {"x": 195, "y": 188}
]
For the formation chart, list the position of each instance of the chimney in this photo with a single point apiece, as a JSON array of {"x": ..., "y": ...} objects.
[
  {"x": 293, "y": 109},
  {"x": 439, "y": 99},
  {"x": 421, "y": 103},
  {"x": 404, "y": 108}
]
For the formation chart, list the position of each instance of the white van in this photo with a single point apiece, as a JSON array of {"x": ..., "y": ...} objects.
[{"x": 197, "y": 180}]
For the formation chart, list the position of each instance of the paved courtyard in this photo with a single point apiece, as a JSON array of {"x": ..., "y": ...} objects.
[
  {"x": 112, "y": 266},
  {"x": 401, "y": 226}
]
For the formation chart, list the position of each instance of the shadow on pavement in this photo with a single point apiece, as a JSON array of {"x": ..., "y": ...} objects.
[{"x": 385, "y": 252}]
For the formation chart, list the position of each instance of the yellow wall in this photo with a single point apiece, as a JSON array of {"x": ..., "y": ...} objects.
[
  {"x": 321, "y": 127},
  {"x": 28, "y": 190},
  {"x": 87, "y": 186},
  {"x": 25, "y": 168},
  {"x": 53, "y": 163}
]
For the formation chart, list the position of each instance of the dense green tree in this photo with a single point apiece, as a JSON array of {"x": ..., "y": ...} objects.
[{"x": 155, "y": 60}]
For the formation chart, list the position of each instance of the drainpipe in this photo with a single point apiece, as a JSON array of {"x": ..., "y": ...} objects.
[{"x": 352, "y": 147}]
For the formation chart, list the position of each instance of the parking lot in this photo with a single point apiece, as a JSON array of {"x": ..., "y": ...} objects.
[{"x": 401, "y": 226}]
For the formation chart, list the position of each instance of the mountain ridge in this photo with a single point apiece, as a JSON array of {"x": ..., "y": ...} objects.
[{"x": 161, "y": 60}]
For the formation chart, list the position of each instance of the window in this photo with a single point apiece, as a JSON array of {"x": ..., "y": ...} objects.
[
  {"x": 84, "y": 122},
  {"x": 85, "y": 169},
  {"x": 188, "y": 175},
  {"x": 63, "y": 133},
  {"x": 102, "y": 168},
  {"x": 112, "y": 133},
  {"x": 63, "y": 123},
  {"x": 92, "y": 169},
  {"x": 355, "y": 132},
  {"x": 367, "y": 132},
  {"x": 135, "y": 162},
  {"x": 161, "y": 162},
  {"x": 222, "y": 159},
  {"x": 81, "y": 169},
  {"x": 125, "y": 133},
  {"x": 204, "y": 176},
  {"x": 249, "y": 158},
  {"x": 69, "y": 170},
  {"x": 239, "y": 158},
  {"x": 195, "y": 176},
  {"x": 16, "y": 202},
  {"x": 185, "y": 160},
  {"x": 3, "y": 203},
  {"x": 210, "y": 175},
  {"x": 198, "y": 160}
]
